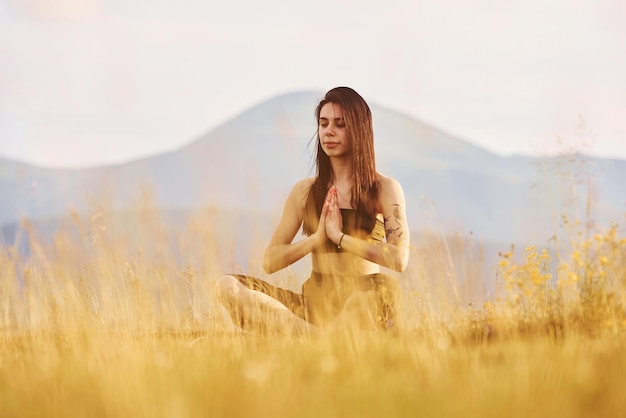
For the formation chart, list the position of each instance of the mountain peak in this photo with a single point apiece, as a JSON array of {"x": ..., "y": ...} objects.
[{"x": 252, "y": 160}]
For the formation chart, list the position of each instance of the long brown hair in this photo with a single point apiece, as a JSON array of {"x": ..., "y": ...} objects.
[{"x": 358, "y": 119}]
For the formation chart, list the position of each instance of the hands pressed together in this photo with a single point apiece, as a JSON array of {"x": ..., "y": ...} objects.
[{"x": 331, "y": 222}]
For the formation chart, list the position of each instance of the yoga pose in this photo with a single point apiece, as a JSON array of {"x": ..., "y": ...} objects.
[{"x": 354, "y": 221}]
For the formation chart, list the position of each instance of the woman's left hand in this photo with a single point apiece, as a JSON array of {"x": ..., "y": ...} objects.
[{"x": 334, "y": 221}]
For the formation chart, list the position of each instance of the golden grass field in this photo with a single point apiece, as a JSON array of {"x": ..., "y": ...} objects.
[{"x": 109, "y": 323}]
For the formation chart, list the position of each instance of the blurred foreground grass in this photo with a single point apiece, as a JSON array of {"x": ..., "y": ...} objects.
[
  {"x": 366, "y": 376},
  {"x": 105, "y": 322}
]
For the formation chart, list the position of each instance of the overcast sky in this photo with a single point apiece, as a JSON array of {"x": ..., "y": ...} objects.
[{"x": 86, "y": 82}]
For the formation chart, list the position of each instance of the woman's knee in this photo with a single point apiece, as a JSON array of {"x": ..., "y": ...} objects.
[{"x": 228, "y": 287}]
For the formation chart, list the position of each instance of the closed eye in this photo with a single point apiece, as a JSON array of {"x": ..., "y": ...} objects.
[{"x": 339, "y": 122}]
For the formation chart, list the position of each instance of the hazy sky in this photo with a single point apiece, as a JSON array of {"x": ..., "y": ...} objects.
[{"x": 86, "y": 82}]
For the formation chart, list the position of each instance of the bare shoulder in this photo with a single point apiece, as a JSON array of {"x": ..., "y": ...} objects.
[
  {"x": 390, "y": 188},
  {"x": 302, "y": 187},
  {"x": 305, "y": 183},
  {"x": 299, "y": 193}
]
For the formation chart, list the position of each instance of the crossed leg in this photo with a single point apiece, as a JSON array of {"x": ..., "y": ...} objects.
[
  {"x": 257, "y": 311},
  {"x": 254, "y": 310}
]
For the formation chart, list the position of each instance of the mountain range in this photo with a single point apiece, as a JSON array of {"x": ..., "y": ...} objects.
[{"x": 250, "y": 162}]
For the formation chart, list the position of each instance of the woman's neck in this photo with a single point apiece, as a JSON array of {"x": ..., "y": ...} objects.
[
  {"x": 341, "y": 171},
  {"x": 342, "y": 180}
]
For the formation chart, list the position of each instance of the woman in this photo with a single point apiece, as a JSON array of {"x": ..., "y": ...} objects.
[{"x": 354, "y": 219}]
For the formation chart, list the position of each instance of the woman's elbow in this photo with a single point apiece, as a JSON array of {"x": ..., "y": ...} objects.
[
  {"x": 399, "y": 265},
  {"x": 395, "y": 259},
  {"x": 401, "y": 261},
  {"x": 268, "y": 266},
  {"x": 404, "y": 263}
]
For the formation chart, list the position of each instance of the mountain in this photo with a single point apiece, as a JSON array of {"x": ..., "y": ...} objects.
[{"x": 251, "y": 161}]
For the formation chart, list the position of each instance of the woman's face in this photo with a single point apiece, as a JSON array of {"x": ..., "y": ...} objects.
[{"x": 332, "y": 131}]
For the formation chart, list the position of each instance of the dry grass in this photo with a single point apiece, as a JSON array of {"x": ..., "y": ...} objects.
[{"x": 108, "y": 321}]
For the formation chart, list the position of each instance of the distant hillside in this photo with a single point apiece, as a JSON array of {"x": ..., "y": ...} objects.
[{"x": 251, "y": 161}]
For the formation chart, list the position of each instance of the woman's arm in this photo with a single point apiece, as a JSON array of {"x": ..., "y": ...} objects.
[
  {"x": 394, "y": 253},
  {"x": 281, "y": 252}
]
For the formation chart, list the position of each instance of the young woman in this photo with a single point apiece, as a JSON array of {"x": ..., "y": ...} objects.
[{"x": 354, "y": 220}]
